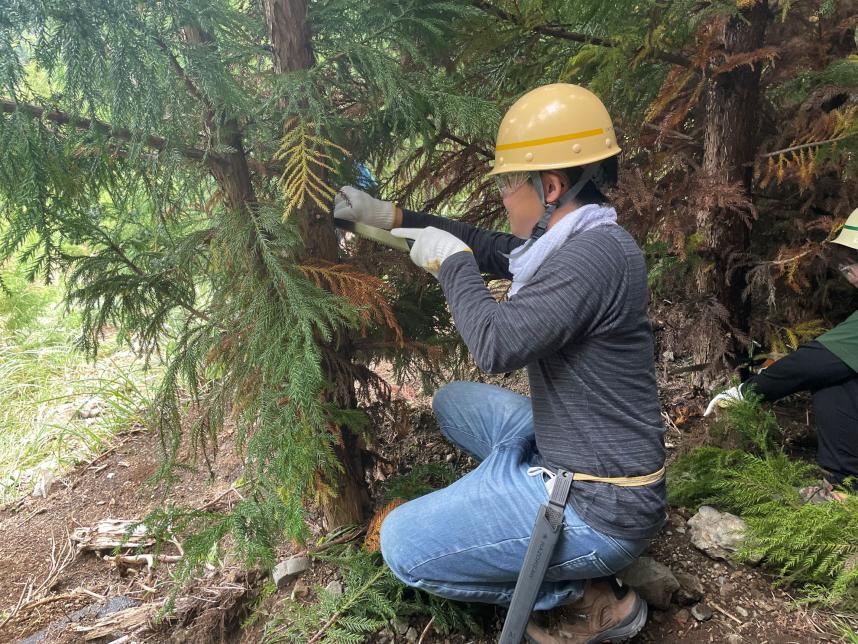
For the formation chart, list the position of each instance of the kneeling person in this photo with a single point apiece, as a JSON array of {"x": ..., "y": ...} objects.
[{"x": 576, "y": 319}]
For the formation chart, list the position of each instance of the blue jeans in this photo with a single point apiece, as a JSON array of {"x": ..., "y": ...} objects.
[{"x": 467, "y": 541}]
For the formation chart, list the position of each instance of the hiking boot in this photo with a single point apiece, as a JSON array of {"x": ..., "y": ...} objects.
[{"x": 605, "y": 613}]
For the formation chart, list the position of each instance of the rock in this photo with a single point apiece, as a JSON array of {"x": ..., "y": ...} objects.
[
  {"x": 716, "y": 533},
  {"x": 701, "y": 612},
  {"x": 92, "y": 408},
  {"x": 742, "y": 611},
  {"x": 45, "y": 479},
  {"x": 682, "y": 617},
  {"x": 690, "y": 589},
  {"x": 300, "y": 590},
  {"x": 449, "y": 458},
  {"x": 411, "y": 635},
  {"x": 727, "y": 590},
  {"x": 289, "y": 569},
  {"x": 654, "y": 581},
  {"x": 734, "y": 638},
  {"x": 400, "y": 626},
  {"x": 335, "y": 588}
]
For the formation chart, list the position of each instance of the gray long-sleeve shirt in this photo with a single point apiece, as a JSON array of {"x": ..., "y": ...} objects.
[{"x": 580, "y": 327}]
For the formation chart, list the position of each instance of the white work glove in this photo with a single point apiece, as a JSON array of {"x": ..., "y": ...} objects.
[
  {"x": 725, "y": 399},
  {"x": 352, "y": 204},
  {"x": 431, "y": 246}
]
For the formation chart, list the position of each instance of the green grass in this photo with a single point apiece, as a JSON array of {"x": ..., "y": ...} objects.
[{"x": 44, "y": 382}]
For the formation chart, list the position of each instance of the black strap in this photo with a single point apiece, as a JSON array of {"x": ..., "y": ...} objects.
[{"x": 543, "y": 539}]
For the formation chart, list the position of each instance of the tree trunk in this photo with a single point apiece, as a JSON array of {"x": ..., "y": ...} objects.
[
  {"x": 732, "y": 115},
  {"x": 292, "y": 50}
]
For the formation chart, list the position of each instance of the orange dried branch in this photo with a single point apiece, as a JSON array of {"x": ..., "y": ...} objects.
[
  {"x": 372, "y": 543},
  {"x": 363, "y": 291},
  {"x": 745, "y": 58}
]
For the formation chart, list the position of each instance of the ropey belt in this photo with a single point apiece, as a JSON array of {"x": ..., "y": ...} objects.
[{"x": 623, "y": 481}]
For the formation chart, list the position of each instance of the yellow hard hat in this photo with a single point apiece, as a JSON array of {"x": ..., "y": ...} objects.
[
  {"x": 849, "y": 234},
  {"x": 553, "y": 127}
]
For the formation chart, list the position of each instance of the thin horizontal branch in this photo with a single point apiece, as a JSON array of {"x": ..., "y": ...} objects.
[
  {"x": 80, "y": 123},
  {"x": 804, "y": 146},
  {"x": 556, "y": 31},
  {"x": 478, "y": 148},
  {"x": 266, "y": 168}
]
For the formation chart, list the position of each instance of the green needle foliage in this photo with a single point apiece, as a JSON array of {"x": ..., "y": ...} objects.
[
  {"x": 155, "y": 155},
  {"x": 815, "y": 545},
  {"x": 372, "y": 599}
]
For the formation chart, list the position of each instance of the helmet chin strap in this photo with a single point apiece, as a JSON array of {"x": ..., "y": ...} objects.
[{"x": 566, "y": 198}]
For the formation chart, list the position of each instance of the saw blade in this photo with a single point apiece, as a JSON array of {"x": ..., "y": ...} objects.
[{"x": 376, "y": 234}]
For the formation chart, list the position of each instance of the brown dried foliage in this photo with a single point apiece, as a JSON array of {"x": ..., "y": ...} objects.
[{"x": 367, "y": 293}]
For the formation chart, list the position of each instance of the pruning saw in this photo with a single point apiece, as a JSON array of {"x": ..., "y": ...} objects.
[{"x": 376, "y": 234}]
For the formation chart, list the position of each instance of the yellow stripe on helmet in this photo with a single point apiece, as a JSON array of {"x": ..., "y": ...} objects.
[{"x": 551, "y": 139}]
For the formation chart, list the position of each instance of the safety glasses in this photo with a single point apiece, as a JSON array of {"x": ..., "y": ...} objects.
[
  {"x": 509, "y": 182},
  {"x": 846, "y": 269}
]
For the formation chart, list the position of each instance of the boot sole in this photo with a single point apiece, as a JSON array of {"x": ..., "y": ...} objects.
[{"x": 622, "y": 632}]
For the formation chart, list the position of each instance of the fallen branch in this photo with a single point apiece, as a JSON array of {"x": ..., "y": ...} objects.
[
  {"x": 426, "y": 630},
  {"x": 346, "y": 538},
  {"x": 55, "y": 598},
  {"x": 138, "y": 560},
  {"x": 112, "y": 533},
  {"x": 724, "y": 612}
]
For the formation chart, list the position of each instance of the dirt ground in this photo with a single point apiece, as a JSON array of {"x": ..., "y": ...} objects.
[{"x": 746, "y": 607}]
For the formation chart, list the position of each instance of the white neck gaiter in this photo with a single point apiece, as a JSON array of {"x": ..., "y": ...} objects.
[{"x": 524, "y": 262}]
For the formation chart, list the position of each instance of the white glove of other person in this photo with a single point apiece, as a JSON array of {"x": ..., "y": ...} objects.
[
  {"x": 431, "y": 246},
  {"x": 352, "y": 204},
  {"x": 725, "y": 399}
]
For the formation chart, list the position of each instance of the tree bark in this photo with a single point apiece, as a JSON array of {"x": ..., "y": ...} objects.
[
  {"x": 732, "y": 116},
  {"x": 292, "y": 50}
]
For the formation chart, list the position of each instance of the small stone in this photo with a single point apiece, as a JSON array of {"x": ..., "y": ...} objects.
[
  {"x": 690, "y": 589},
  {"x": 300, "y": 590},
  {"x": 718, "y": 534},
  {"x": 450, "y": 457},
  {"x": 727, "y": 590},
  {"x": 335, "y": 588},
  {"x": 91, "y": 409},
  {"x": 110, "y": 475},
  {"x": 734, "y": 638},
  {"x": 411, "y": 635},
  {"x": 681, "y": 530},
  {"x": 400, "y": 626},
  {"x": 701, "y": 612},
  {"x": 742, "y": 611},
  {"x": 289, "y": 569},
  {"x": 653, "y": 581},
  {"x": 682, "y": 617}
]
